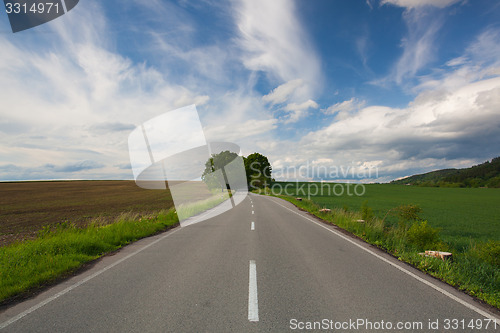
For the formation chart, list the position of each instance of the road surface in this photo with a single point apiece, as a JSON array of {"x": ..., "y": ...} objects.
[{"x": 263, "y": 266}]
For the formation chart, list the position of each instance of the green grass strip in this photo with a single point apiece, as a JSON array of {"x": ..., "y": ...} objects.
[{"x": 203, "y": 205}]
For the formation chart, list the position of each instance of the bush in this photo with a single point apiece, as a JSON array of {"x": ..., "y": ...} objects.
[
  {"x": 366, "y": 212},
  {"x": 423, "y": 236},
  {"x": 408, "y": 212},
  {"x": 488, "y": 252},
  {"x": 494, "y": 182}
]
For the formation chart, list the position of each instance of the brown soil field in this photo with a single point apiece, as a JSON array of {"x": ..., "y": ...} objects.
[{"x": 26, "y": 207}]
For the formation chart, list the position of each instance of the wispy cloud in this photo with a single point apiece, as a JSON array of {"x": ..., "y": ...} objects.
[
  {"x": 75, "y": 167},
  {"x": 420, "y": 3},
  {"x": 108, "y": 127},
  {"x": 297, "y": 111},
  {"x": 457, "y": 61},
  {"x": 419, "y": 46},
  {"x": 238, "y": 132},
  {"x": 76, "y": 170},
  {"x": 283, "y": 92},
  {"x": 273, "y": 41},
  {"x": 423, "y": 21},
  {"x": 343, "y": 109}
]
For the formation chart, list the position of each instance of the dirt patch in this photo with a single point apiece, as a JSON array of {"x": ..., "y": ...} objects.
[{"x": 26, "y": 207}]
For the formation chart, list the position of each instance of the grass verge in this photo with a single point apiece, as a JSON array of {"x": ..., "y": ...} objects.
[
  {"x": 474, "y": 270},
  {"x": 203, "y": 205}
]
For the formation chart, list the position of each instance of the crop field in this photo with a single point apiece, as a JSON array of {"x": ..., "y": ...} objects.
[
  {"x": 26, "y": 207},
  {"x": 461, "y": 213}
]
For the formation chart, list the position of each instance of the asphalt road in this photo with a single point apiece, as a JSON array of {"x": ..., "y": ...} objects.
[{"x": 282, "y": 272}]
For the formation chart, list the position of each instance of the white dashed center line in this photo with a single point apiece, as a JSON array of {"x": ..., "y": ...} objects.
[
  {"x": 253, "y": 304},
  {"x": 252, "y": 227}
]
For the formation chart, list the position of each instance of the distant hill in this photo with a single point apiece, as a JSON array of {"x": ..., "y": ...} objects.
[{"x": 486, "y": 174}]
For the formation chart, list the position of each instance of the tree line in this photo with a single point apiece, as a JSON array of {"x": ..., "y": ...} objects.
[{"x": 486, "y": 174}]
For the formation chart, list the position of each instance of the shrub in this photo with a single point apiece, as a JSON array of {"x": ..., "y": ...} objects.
[
  {"x": 423, "y": 236},
  {"x": 366, "y": 212},
  {"x": 408, "y": 212},
  {"x": 488, "y": 252}
]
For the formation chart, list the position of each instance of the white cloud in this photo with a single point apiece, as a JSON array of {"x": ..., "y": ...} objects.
[
  {"x": 486, "y": 48},
  {"x": 289, "y": 93},
  {"x": 238, "y": 132},
  {"x": 273, "y": 41},
  {"x": 343, "y": 109},
  {"x": 303, "y": 106},
  {"x": 457, "y": 61},
  {"x": 419, "y": 47},
  {"x": 420, "y": 3},
  {"x": 297, "y": 111},
  {"x": 423, "y": 21},
  {"x": 479, "y": 61},
  {"x": 283, "y": 92}
]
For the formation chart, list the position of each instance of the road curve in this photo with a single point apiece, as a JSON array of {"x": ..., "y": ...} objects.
[{"x": 262, "y": 266}]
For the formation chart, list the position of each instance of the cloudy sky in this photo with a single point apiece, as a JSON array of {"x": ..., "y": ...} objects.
[{"x": 393, "y": 86}]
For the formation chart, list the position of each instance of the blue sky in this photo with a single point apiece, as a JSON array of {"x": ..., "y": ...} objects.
[{"x": 379, "y": 88}]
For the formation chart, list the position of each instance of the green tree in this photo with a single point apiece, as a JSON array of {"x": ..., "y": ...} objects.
[
  {"x": 214, "y": 163},
  {"x": 258, "y": 170}
]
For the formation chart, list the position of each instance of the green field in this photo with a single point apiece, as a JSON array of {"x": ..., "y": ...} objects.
[{"x": 461, "y": 213}]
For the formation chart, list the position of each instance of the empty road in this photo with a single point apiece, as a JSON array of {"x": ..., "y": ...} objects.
[{"x": 263, "y": 266}]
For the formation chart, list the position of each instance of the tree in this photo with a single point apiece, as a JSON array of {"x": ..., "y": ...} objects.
[
  {"x": 258, "y": 170},
  {"x": 214, "y": 163}
]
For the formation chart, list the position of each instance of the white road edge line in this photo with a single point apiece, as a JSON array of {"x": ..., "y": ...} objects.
[
  {"x": 79, "y": 283},
  {"x": 252, "y": 227},
  {"x": 253, "y": 303},
  {"x": 444, "y": 292}
]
